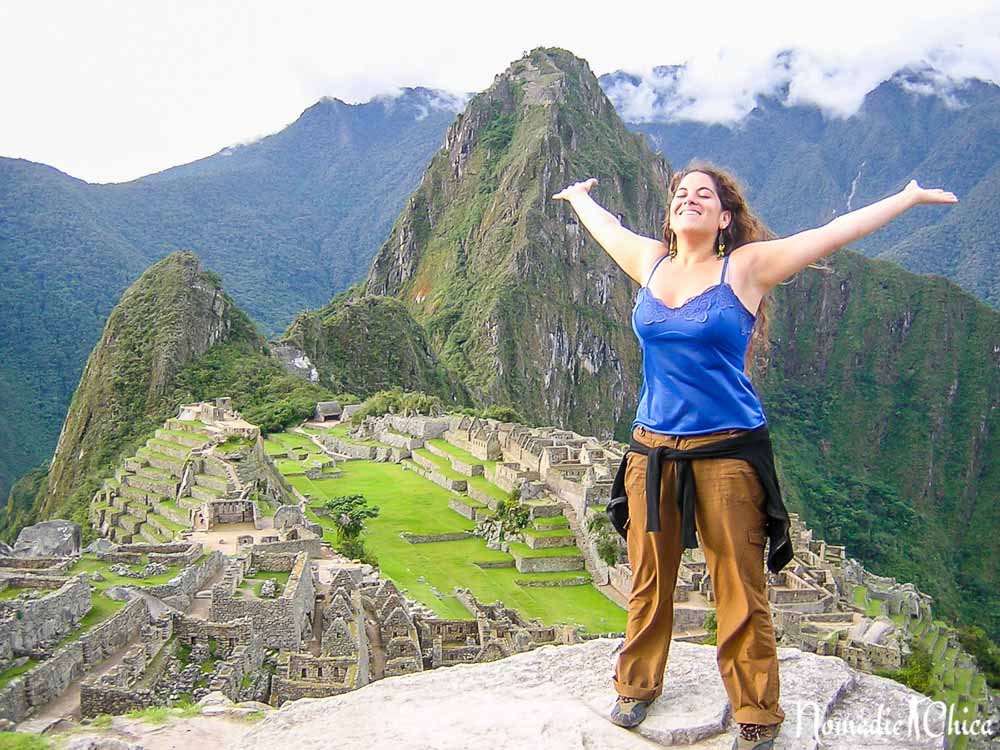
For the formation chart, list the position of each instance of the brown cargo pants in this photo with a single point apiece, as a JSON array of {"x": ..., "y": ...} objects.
[{"x": 729, "y": 516}]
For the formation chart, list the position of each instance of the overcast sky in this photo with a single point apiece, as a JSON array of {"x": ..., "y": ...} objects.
[{"x": 110, "y": 91}]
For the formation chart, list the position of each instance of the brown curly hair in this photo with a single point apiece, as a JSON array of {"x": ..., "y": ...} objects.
[{"x": 745, "y": 227}]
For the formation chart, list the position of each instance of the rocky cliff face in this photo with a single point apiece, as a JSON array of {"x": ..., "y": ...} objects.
[
  {"x": 171, "y": 315},
  {"x": 516, "y": 297},
  {"x": 882, "y": 395}
]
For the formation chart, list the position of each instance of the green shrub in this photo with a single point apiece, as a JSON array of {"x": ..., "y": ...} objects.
[
  {"x": 917, "y": 674},
  {"x": 711, "y": 624},
  {"x": 398, "y": 401}
]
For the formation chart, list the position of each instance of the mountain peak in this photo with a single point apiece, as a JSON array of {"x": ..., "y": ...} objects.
[
  {"x": 481, "y": 234},
  {"x": 173, "y": 313}
]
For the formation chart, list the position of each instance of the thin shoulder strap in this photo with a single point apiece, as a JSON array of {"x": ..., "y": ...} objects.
[
  {"x": 725, "y": 263},
  {"x": 658, "y": 262}
]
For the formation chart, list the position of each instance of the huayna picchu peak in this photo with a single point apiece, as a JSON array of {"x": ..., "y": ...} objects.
[{"x": 513, "y": 294}]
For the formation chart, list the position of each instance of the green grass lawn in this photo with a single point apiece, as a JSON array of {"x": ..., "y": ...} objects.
[
  {"x": 290, "y": 466},
  {"x": 524, "y": 550},
  {"x": 274, "y": 448},
  {"x": 12, "y": 592},
  {"x": 295, "y": 440},
  {"x": 460, "y": 453},
  {"x": 9, "y": 674},
  {"x": 255, "y": 581},
  {"x": 408, "y": 502},
  {"x": 441, "y": 464},
  {"x": 485, "y": 485}
]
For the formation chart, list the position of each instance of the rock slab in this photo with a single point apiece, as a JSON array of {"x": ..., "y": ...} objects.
[
  {"x": 57, "y": 538},
  {"x": 559, "y": 697}
]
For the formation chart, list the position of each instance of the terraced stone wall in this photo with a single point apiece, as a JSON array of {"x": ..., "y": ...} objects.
[
  {"x": 48, "y": 680},
  {"x": 35, "y": 622}
]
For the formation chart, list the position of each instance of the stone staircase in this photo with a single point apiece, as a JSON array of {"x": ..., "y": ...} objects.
[{"x": 141, "y": 504}]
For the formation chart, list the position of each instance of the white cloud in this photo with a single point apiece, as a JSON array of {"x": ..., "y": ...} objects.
[
  {"x": 109, "y": 90},
  {"x": 833, "y": 72}
]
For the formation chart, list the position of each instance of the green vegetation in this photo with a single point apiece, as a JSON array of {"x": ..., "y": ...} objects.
[
  {"x": 25, "y": 741},
  {"x": 123, "y": 398},
  {"x": 370, "y": 344},
  {"x": 11, "y": 672},
  {"x": 348, "y": 513},
  {"x": 608, "y": 546},
  {"x": 428, "y": 572},
  {"x": 711, "y": 624},
  {"x": 255, "y": 581},
  {"x": 917, "y": 674},
  {"x": 399, "y": 402},
  {"x": 510, "y": 518},
  {"x": 883, "y": 377},
  {"x": 152, "y": 714},
  {"x": 986, "y": 654}
]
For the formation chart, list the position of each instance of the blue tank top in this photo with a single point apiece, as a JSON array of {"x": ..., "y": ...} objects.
[{"x": 692, "y": 362}]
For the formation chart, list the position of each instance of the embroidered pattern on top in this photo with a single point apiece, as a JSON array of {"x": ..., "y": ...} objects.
[{"x": 703, "y": 304}]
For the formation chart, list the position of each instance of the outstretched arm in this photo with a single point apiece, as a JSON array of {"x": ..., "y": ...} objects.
[
  {"x": 629, "y": 250},
  {"x": 773, "y": 261}
]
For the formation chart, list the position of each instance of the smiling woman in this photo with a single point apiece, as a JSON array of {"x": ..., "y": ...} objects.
[{"x": 701, "y": 418}]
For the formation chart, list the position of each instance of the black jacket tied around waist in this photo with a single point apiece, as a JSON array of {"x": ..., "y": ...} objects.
[{"x": 753, "y": 446}]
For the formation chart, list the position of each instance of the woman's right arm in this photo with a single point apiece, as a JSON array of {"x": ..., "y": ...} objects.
[{"x": 632, "y": 252}]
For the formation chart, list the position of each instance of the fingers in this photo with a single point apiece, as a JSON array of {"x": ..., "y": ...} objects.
[{"x": 584, "y": 184}]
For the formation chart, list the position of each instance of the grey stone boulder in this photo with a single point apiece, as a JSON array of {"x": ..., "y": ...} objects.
[
  {"x": 100, "y": 547},
  {"x": 56, "y": 538},
  {"x": 287, "y": 516},
  {"x": 6, "y": 550},
  {"x": 120, "y": 593}
]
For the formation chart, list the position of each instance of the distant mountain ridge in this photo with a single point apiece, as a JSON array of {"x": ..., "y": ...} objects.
[
  {"x": 288, "y": 221},
  {"x": 175, "y": 336},
  {"x": 801, "y": 168}
]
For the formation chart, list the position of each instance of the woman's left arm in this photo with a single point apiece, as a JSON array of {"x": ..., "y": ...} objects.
[{"x": 773, "y": 261}]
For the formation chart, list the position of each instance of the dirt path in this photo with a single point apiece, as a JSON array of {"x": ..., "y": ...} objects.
[
  {"x": 67, "y": 705},
  {"x": 201, "y": 607}
]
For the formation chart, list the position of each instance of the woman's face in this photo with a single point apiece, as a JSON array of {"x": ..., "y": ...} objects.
[{"x": 696, "y": 207}]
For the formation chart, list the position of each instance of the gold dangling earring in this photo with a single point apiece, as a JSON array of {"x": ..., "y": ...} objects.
[
  {"x": 722, "y": 243},
  {"x": 673, "y": 245}
]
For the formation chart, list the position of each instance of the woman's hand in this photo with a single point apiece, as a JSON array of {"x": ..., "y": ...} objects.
[
  {"x": 577, "y": 188},
  {"x": 918, "y": 195}
]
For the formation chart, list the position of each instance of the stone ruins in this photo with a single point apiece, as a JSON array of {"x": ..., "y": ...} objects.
[{"x": 209, "y": 576}]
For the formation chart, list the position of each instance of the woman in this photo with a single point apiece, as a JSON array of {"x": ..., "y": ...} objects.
[{"x": 694, "y": 316}]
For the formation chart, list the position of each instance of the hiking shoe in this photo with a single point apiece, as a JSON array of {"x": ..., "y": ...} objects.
[
  {"x": 756, "y": 737},
  {"x": 629, "y": 712}
]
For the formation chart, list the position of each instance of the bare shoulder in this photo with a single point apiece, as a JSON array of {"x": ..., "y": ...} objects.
[{"x": 647, "y": 252}]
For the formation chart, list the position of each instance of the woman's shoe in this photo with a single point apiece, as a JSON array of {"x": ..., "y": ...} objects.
[
  {"x": 629, "y": 712},
  {"x": 756, "y": 736}
]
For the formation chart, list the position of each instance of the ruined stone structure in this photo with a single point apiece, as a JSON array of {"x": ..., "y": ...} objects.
[
  {"x": 282, "y": 623},
  {"x": 179, "y": 480},
  {"x": 277, "y": 639}
]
